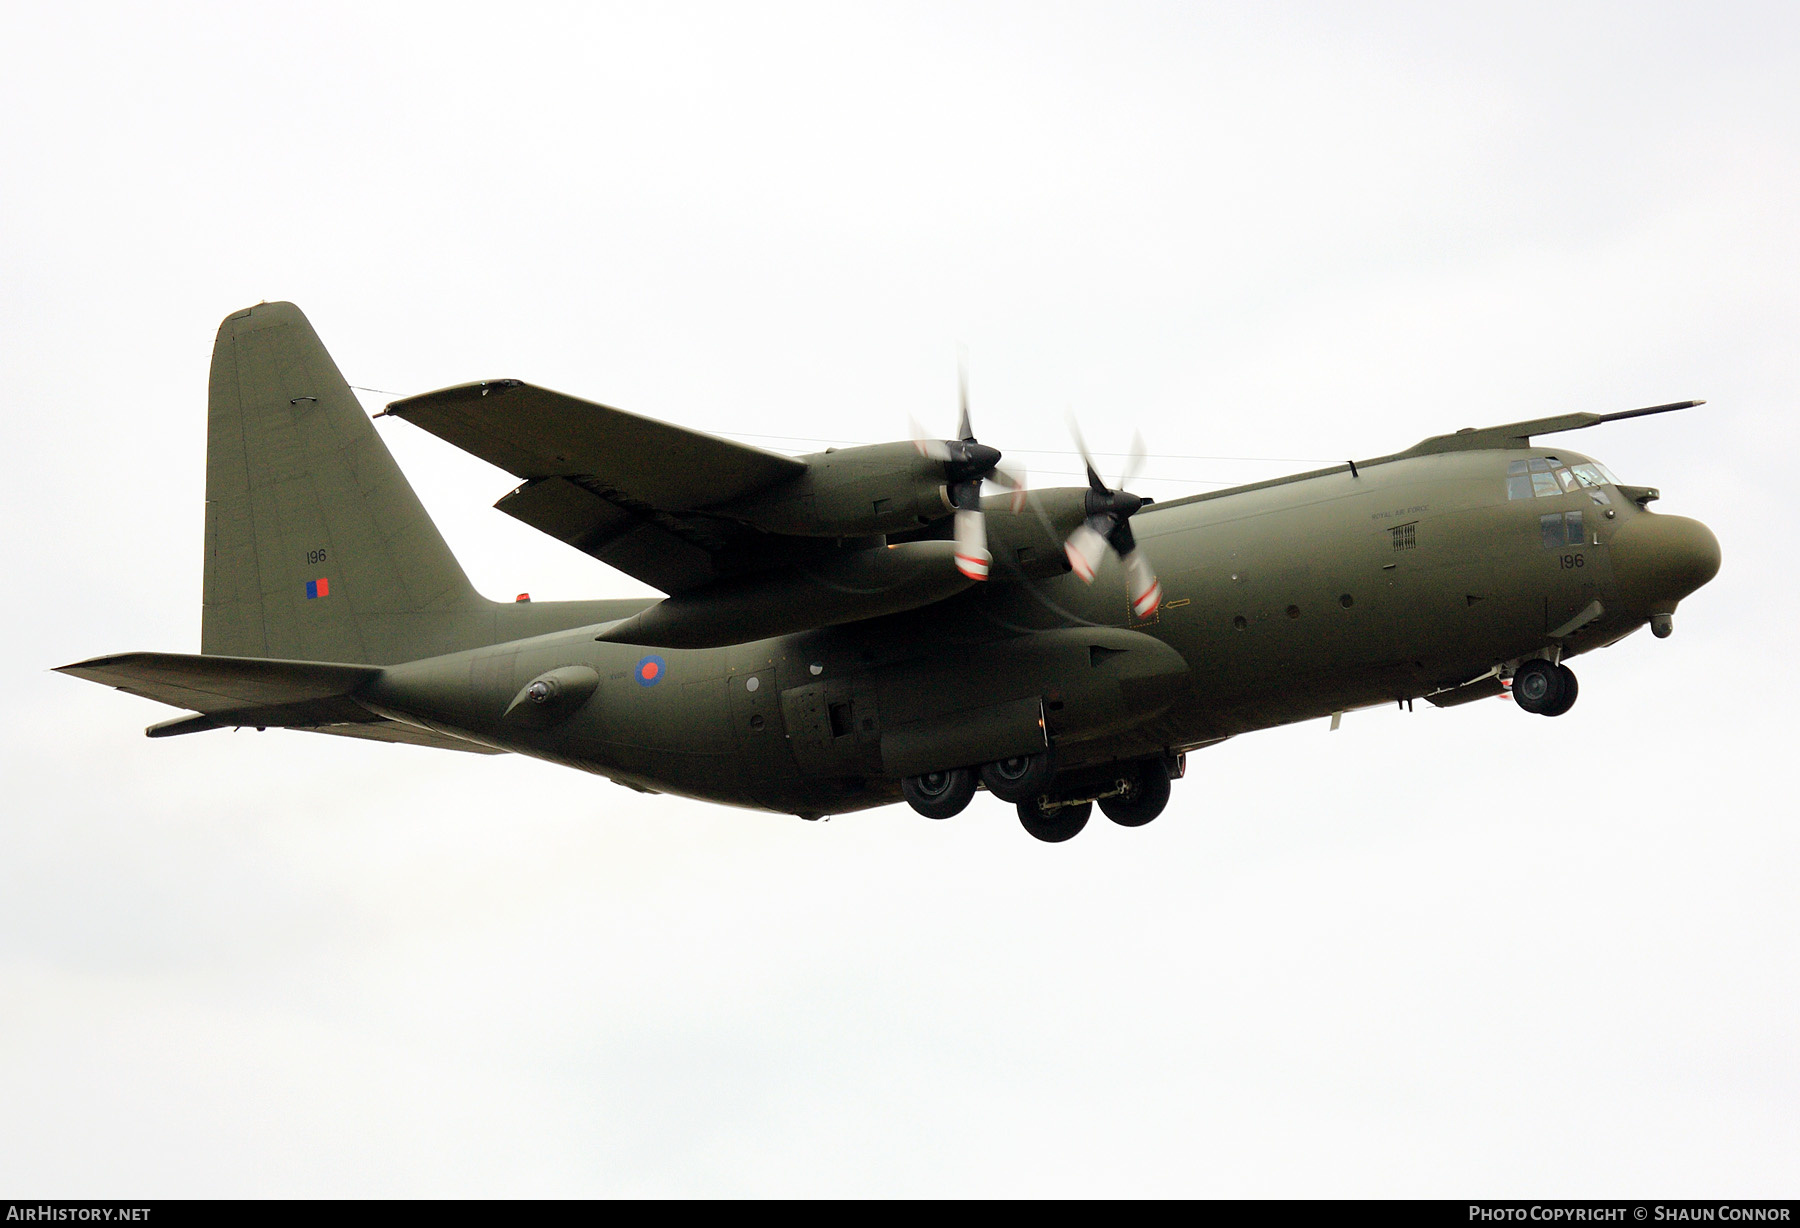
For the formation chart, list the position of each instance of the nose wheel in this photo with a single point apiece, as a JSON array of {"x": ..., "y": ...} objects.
[{"x": 1545, "y": 689}]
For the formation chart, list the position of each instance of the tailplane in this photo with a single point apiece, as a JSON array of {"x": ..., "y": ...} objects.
[{"x": 235, "y": 692}]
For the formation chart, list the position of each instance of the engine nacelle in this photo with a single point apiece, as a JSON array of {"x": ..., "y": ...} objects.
[{"x": 851, "y": 492}]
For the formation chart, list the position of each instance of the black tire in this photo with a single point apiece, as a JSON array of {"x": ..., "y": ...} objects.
[
  {"x": 1024, "y": 776},
  {"x": 1537, "y": 687},
  {"x": 1054, "y": 826},
  {"x": 938, "y": 795},
  {"x": 1148, "y": 794},
  {"x": 1570, "y": 689}
]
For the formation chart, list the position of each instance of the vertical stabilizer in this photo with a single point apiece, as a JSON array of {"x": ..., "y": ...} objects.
[{"x": 316, "y": 546}]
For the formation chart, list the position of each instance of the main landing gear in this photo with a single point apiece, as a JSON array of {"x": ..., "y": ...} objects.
[
  {"x": 1543, "y": 688},
  {"x": 1146, "y": 793},
  {"x": 1052, "y": 808},
  {"x": 938, "y": 795},
  {"x": 1013, "y": 780},
  {"x": 1055, "y": 822},
  {"x": 1130, "y": 794},
  {"x": 942, "y": 794}
]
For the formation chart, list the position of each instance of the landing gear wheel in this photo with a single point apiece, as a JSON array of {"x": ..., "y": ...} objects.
[
  {"x": 1538, "y": 687},
  {"x": 1054, "y": 826},
  {"x": 1148, "y": 794},
  {"x": 1570, "y": 689},
  {"x": 1023, "y": 776},
  {"x": 938, "y": 795}
]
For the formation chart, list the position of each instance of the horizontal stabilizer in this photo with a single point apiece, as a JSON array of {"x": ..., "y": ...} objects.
[
  {"x": 245, "y": 692},
  {"x": 532, "y": 432},
  {"x": 357, "y": 722},
  {"x": 217, "y": 685},
  {"x": 407, "y": 735}
]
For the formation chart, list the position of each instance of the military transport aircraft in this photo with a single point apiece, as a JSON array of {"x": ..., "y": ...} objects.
[{"x": 861, "y": 625}]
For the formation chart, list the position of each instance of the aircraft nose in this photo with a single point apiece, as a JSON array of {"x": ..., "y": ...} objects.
[{"x": 1660, "y": 559}]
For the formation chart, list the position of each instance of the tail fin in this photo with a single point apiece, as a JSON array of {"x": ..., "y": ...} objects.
[{"x": 317, "y": 549}]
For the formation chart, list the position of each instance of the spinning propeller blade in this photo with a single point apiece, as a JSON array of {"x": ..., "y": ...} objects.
[
  {"x": 967, "y": 464},
  {"x": 1108, "y": 524},
  {"x": 972, "y": 558}
]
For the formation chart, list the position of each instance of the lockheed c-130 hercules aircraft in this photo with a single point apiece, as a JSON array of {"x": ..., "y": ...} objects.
[{"x": 861, "y": 625}]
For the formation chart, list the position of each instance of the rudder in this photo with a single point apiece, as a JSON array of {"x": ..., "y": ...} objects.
[{"x": 317, "y": 549}]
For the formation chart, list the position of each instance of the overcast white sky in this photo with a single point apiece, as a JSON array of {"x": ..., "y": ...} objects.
[{"x": 1449, "y": 953}]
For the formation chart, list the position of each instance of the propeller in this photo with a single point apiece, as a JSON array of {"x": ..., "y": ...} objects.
[
  {"x": 1108, "y": 524},
  {"x": 967, "y": 464}
]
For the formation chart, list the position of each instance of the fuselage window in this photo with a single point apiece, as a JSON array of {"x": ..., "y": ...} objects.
[{"x": 1562, "y": 529}]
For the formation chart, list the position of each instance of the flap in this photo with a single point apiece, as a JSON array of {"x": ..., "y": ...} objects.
[
  {"x": 666, "y": 551},
  {"x": 536, "y": 433}
]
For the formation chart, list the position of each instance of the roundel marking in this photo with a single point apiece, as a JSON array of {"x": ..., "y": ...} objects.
[{"x": 650, "y": 671}]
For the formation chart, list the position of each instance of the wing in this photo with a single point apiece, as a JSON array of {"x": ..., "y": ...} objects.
[{"x": 626, "y": 489}]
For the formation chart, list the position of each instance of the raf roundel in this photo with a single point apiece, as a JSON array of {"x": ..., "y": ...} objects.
[{"x": 650, "y": 671}]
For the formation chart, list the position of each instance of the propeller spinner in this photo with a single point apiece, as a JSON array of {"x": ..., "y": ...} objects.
[
  {"x": 1108, "y": 524},
  {"x": 967, "y": 464}
]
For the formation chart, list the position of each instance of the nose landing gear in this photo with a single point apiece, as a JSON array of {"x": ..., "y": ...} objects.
[{"x": 1545, "y": 689}]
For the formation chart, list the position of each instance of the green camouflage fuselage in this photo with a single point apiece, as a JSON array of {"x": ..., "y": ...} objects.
[{"x": 1284, "y": 602}]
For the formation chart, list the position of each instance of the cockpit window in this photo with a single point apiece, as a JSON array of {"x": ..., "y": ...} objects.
[{"x": 1543, "y": 476}]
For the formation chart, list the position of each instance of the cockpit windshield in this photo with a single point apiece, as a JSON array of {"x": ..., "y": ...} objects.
[{"x": 1544, "y": 476}]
